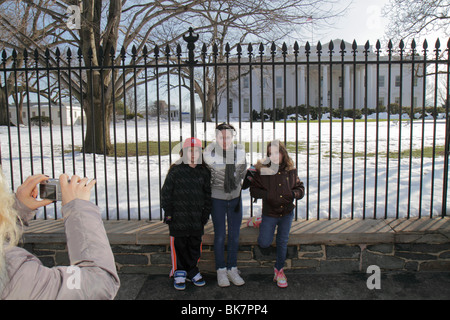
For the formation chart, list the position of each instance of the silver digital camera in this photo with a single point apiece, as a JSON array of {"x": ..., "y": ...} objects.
[{"x": 50, "y": 189}]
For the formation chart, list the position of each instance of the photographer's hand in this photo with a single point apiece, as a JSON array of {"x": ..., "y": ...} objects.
[
  {"x": 77, "y": 188},
  {"x": 28, "y": 192}
]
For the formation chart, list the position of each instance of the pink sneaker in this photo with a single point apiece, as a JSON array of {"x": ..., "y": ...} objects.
[
  {"x": 280, "y": 278},
  {"x": 254, "y": 221}
]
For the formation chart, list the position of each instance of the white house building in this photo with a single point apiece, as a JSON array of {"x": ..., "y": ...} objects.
[
  {"x": 341, "y": 84},
  {"x": 58, "y": 114}
]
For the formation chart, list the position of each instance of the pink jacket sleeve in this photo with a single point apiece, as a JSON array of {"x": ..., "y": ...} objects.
[{"x": 92, "y": 274}]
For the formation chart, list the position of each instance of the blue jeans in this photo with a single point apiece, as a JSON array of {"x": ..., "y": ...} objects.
[
  {"x": 267, "y": 231},
  {"x": 225, "y": 210}
]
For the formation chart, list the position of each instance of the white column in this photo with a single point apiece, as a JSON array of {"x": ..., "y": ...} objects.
[
  {"x": 347, "y": 90},
  {"x": 325, "y": 86},
  {"x": 302, "y": 93}
]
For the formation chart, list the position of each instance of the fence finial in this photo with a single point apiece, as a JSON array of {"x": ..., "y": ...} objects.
[{"x": 191, "y": 39}]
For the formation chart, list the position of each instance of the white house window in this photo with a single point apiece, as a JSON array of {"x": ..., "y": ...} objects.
[
  {"x": 246, "y": 83},
  {"x": 230, "y": 106},
  {"x": 279, "y": 103},
  {"x": 279, "y": 82},
  {"x": 381, "y": 81},
  {"x": 246, "y": 105}
]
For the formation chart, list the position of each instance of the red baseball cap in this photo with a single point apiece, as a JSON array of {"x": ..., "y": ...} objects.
[{"x": 192, "y": 142}]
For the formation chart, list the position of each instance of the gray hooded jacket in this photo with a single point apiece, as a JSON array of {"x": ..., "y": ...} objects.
[
  {"x": 217, "y": 164},
  {"x": 92, "y": 274}
]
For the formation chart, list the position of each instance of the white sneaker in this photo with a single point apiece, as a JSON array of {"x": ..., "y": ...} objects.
[
  {"x": 234, "y": 277},
  {"x": 222, "y": 279}
]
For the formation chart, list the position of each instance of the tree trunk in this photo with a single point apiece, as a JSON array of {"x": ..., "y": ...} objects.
[
  {"x": 3, "y": 108},
  {"x": 98, "y": 115},
  {"x": 98, "y": 121}
]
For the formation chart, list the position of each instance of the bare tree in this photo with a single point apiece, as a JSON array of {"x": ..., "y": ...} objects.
[
  {"x": 408, "y": 19},
  {"x": 139, "y": 24}
]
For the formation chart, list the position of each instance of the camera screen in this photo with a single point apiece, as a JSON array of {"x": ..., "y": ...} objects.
[{"x": 47, "y": 191}]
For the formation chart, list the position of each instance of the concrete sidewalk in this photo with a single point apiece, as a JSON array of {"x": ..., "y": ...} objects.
[{"x": 302, "y": 286}]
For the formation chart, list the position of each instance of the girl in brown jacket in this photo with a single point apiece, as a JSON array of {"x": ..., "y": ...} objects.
[{"x": 277, "y": 183}]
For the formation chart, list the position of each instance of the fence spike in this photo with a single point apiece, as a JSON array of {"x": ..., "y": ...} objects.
[
  {"x": 319, "y": 48},
  {"x": 284, "y": 49},
  {"x": 438, "y": 44},
  {"x": 296, "y": 48},
  {"x": 167, "y": 51},
  {"x": 273, "y": 49},
  {"x": 261, "y": 49},
  {"x": 342, "y": 47},
  {"x": 239, "y": 50},
  {"x": 307, "y": 48}
]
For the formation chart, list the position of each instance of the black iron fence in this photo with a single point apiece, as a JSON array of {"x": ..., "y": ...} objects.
[{"x": 366, "y": 126}]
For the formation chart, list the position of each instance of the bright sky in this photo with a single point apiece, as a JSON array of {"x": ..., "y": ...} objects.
[{"x": 363, "y": 21}]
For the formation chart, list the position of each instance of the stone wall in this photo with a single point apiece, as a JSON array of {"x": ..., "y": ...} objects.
[
  {"x": 323, "y": 247},
  {"x": 155, "y": 259}
]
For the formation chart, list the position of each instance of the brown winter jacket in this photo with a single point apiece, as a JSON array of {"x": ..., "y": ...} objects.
[
  {"x": 278, "y": 191},
  {"x": 92, "y": 274}
]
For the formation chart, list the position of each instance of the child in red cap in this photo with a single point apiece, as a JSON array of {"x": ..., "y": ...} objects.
[{"x": 186, "y": 200}]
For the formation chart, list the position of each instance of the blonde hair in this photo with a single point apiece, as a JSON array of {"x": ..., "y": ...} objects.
[{"x": 9, "y": 229}]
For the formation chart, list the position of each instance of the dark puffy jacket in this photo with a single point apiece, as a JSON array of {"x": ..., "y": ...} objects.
[
  {"x": 186, "y": 198},
  {"x": 278, "y": 191}
]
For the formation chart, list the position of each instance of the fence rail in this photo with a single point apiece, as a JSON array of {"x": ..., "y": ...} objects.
[{"x": 367, "y": 127}]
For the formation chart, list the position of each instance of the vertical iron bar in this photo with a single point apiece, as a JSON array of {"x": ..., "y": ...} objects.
[
  {"x": 388, "y": 134},
  {"x": 354, "y": 51},
  {"x": 58, "y": 68},
  {"x": 149, "y": 193},
  {"x": 101, "y": 60},
  {"x": 319, "y": 117},
  {"x": 425, "y": 47},
  {"x": 17, "y": 101},
  {"x": 27, "y": 93},
  {"x": 191, "y": 39},
  {"x": 136, "y": 138},
  {"x": 158, "y": 112},
  {"x": 342, "y": 106},
  {"x": 308, "y": 111},
  {"x": 436, "y": 77},
  {"x": 447, "y": 136},
  {"x": 116, "y": 172},
  {"x": 411, "y": 116},
  {"x": 366, "y": 101},
  {"x": 401, "y": 46},
  {"x": 330, "y": 108},
  {"x": 124, "y": 82},
  {"x": 377, "y": 107},
  {"x": 296, "y": 49}
]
